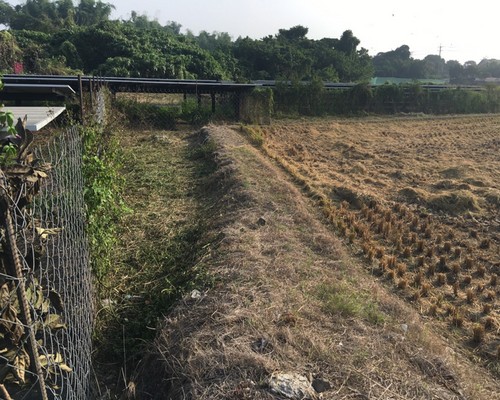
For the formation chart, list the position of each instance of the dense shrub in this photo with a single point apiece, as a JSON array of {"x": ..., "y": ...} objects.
[{"x": 312, "y": 99}]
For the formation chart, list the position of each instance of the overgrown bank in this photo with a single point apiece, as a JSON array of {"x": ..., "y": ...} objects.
[{"x": 162, "y": 242}]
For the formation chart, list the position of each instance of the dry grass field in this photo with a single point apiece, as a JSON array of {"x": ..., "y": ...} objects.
[
  {"x": 419, "y": 197},
  {"x": 359, "y": 255}
]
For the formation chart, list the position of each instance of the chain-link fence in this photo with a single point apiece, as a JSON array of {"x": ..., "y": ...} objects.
[
  {"x": 46, "y": 300},
  {"x": 64, "y": 267}
]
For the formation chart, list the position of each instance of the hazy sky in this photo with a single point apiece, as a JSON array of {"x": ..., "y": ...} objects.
[{"x": 465, "y": 30}]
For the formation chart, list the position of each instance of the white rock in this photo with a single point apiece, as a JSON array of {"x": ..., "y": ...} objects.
[{"x": 293, "y": 386}]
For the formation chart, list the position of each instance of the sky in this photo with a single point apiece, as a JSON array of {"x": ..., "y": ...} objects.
[{"x": 459, "y": 30}]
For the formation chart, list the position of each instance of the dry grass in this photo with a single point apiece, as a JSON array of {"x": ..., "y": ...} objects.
[
  {"x": 290, "y": 297},
  {"x": 162, "y": 245},
  {"x": 429, "y": 183}
]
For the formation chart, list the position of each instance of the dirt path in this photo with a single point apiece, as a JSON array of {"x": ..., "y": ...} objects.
[{"x": 289, "y": 297}]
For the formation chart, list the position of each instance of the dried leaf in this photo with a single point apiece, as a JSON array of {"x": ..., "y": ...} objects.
[
  {"x": 21, "y": 365},
  {"x": 4, "y": 295},
  {"x": 19, "y": 170},
  {"x": 31, "y": 178},
  {"x": 65, "y": 368},
  {"x": 44, "y": 360},
  {"x": 44, "y": 233},
  {"x": 40, "y": 174},
  {"x": 55, "y": 300},
  {"x": 50, "y": 360},
  {"x": 12, "y": 324},
  {"x": 54, "y": 321}
]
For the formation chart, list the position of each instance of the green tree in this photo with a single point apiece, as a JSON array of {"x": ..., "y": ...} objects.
[
  {"x": 489, "y": 68},
  {"x": 470, "y": 71},
  {"x": 295, "y": 33},
  {"x": 143, "y": 21},
  {"x": 347, "y": 43},
  {"x": 435, "y": 67},
  {"x": 455, "y": 71},
  {"x": 91, "y": 12},
  {"x": 395, "y": 63},
  {"x": 6, "y": 12},
  {"x": 9, "y": 50}
]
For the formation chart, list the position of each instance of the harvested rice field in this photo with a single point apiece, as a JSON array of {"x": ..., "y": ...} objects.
[{"x": 418, "y": 198}]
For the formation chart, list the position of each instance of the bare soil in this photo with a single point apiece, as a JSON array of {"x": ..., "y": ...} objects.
[{"x": 299, "y": 289}]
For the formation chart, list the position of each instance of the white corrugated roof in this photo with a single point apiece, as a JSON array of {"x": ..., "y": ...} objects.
[{"x": 38, "y": 117}]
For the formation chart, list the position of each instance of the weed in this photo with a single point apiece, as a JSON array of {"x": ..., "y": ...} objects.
[
  {"x": 480, "y": 270},
  {"x": 491, "y": 295},
  {"x": 470, "y": 296},
  {"x": 485, "y": 244},
  {"x": 407, "y": 252},
  {"x": 403, "y": 283},
  {"x": 418, "y": 278},
  {"x": 489, "y": 323},
  {"x": 401, "y": 269},
  {"x": 103, "y": 194},
  {"x": 391, "y": 275},
  {"x": 430, "y": 252},
  {"x": 477, "y": 333},
  {"x": 420, "y": 261},
  {"x": 426, "y": 288},
  {"x": 468, "y": 263},
  {"x": 340, "y": 300},
  {"x": 432, "y": 311},
  {"x": 443, "y": 263},
  {"x": 379, "y": 252},
  {"x": 457, "y": 318},
  {"x": 431, "y": 269},
  {"x": 254, "y": 134},
  {"x": 487, "y": 307},
  {"x": 391, "y": 262}
]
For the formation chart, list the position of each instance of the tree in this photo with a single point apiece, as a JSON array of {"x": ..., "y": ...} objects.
[
  {"x": 143, "y": 22},
  {"x": 347, "y": 43},
  {"x": 91, "y": 12},
  {"x": 435, "y": 67},
  {"x": 295, "y": 33},
  {"x": 455, "y": 71},
  {"x": 6, "y": 12},
  {"x": 470, "y": 71},
  {"x": 489, "y": 68},
  {"x": 9, "y": 50},
  {"x": 395, "y": 63},
  {"x": 173, "y": 27}
]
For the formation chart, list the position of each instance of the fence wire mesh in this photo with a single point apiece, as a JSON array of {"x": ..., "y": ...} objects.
[
  {"x": 46, "y": 300},
  {"x": 65, "y": 267}
]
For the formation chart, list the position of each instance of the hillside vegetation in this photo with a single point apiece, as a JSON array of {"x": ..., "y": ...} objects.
[{"x": 59, "y": 37}]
